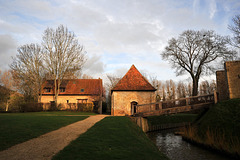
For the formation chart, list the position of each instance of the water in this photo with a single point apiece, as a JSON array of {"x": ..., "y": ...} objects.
[{"x": 176, "y": 149}]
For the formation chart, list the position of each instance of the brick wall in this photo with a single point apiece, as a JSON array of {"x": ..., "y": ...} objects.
[
  {"x": 222, "y": 86},
  {"x": 121, "y": 101},
  {"x": 232, "y": 69}
]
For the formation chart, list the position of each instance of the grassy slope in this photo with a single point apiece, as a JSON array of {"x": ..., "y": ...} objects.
[
  {"x": 219, "y": 128},
  {"x": 174, "y": 118},
  {"x": 224, "y": 116},
  {"x": 112, "y": 138},
  {"x": 19, "y": 127}
]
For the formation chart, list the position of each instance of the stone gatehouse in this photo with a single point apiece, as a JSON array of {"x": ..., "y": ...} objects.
[
  {"x": 131, "y": 90},
  {"x": 228, "y": 81}
]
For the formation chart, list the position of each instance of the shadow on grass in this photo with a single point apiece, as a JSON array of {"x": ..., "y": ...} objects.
[{"x": 112, "y": 138}]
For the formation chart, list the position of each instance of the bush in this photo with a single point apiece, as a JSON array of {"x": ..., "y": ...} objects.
[
  {"x": 15, "y": 102},
  {"x": 31, "y": 107},
  {"x": 85, "y": 107}
]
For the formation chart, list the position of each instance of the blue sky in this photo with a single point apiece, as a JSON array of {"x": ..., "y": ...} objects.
[{"x": 114, "y": 33}]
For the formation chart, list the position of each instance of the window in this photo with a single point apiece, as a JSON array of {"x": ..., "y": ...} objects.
[
  {"x": 82, "y": 100},
  {"x": 62, "y": 89},
  {"x": 82, "y": 90},
  {"x": 67, "y": 101},
  {"x": 47, "y": 89}
]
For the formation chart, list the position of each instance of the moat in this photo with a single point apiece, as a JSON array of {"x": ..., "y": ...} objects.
[{"x": 177, "y": 149}]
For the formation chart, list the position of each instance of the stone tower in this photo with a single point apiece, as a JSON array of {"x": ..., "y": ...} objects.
[{"x": 228, "y": 81}]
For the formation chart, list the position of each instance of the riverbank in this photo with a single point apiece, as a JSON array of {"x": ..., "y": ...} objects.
[
  {"x": 218, "y": 129},
  {"x": 112, "y": 138},
  {"x": 156, "y": 123}
]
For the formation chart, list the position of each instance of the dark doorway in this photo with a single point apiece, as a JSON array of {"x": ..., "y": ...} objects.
[{"x": 133, "y": 107}]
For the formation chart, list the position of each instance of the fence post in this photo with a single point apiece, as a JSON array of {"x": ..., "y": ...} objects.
[
  {"x": 215, "y": 97},
  {"x": 187, "y": 101}
]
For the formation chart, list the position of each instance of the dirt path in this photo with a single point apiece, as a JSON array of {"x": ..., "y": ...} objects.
[{"x": 47, "y": 145}]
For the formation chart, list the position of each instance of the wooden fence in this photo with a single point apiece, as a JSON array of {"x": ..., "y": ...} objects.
[{"x": 175, "y": 106}]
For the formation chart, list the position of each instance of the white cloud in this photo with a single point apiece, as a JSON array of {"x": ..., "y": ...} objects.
[
  {"x": 212, "y": 8},
  {"x": 7, "y": 49}
]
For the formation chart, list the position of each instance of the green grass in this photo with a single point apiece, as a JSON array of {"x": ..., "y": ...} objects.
[
  {"x": 19, "y": 127},
  {"x": 51, "y": 113},
  {"x": 219, "y": 128},
  {"x": 112, "y": 138},
  {"x": 224, "y": 116},
  {"x": 173, "y": 118}
]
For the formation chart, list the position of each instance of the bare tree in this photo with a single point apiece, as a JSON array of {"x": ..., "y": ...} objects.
[
  {"x": 113, "y": 80},
  {"x": 207, "y": 87},
  {"x": 85, "y": 76},
  {"x": 62, "y": 54},
  {"x": 7, "y": 80},
  {"x": 181, "y": 90},
  {"x": 189, "y": 89},
  {"x": 163, "y": 92},
  {"x": 27, "y": 69},
  {"x": 194, "y": 51},
  {"x": 235, "y": 28}
]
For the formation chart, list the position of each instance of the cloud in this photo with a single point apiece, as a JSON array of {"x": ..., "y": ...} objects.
[
  {"x": 7, "y": 49},
  {"x": 115, "y": 34},
  {"x": 212, "y": 8},
  {"x": 93, "y": 65}
]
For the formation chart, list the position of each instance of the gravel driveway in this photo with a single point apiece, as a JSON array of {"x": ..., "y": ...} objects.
[{"x": 47, "y": 145}]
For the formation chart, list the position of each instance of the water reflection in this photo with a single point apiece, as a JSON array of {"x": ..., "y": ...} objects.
[{"x": 176, "y": 149}]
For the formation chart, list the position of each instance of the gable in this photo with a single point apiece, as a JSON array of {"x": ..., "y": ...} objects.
[{"x": 133, "y": 80}]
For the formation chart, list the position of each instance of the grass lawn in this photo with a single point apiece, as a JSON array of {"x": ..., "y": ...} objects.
[
  {"x": 173, "y": 118},
  {"x": 112, "y": 138},
  {"x": 19, "y": 127}
]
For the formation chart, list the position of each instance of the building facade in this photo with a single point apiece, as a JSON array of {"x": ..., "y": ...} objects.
[
  {"x": 131, "y": 90},
  {"x": 228, "y": 81},
  {"x": 74, "y": 91}
]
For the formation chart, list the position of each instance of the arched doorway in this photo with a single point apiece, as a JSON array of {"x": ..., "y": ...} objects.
[{"x": 133, "y": 107}]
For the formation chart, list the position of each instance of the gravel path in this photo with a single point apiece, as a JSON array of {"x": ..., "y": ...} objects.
[{"x": 47, "y": 145}]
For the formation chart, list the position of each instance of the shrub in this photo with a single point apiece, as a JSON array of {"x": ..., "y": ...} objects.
[
  {"x": 31, "y": 107},
  {"x": 85, "y": 107}
]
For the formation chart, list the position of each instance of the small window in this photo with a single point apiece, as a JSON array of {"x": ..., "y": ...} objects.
[
  {"x": 62, "y": 89},
  {"x": 82, "y": 90},
  {"x": 47, "y": 89},
  {"x": 67, "y": 101}
]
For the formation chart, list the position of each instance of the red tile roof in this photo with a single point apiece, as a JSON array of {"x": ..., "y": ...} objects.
[
  {"x": 133, "y": 81},
  {"x": 76, "y": 87}
]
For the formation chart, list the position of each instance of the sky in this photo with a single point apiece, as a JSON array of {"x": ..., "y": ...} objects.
[{"x": 115, "y": 33}]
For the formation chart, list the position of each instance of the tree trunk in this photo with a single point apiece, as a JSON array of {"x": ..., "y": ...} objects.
[
  {"x": 195, "y": 86},
  {"x": 55, "y": 91},
  {"x": 40, "y": 96},
  {"x": 7, "y": 106}
]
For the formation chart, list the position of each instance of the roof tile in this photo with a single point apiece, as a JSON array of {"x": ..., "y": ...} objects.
[
  {"x": 133, "y": 81},
  {"x": 77, "y": 86}
]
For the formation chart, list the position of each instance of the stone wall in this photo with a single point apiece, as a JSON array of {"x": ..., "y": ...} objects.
[
  {"x": 222, "y": 86},
  {"x": 232, "y": 69},
  {"x": 121, "y": 101}
]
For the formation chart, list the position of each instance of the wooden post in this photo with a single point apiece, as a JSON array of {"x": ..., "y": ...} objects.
[
  {"x": 215, "y": 97},
  {"x": 187, "y": 101}
]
